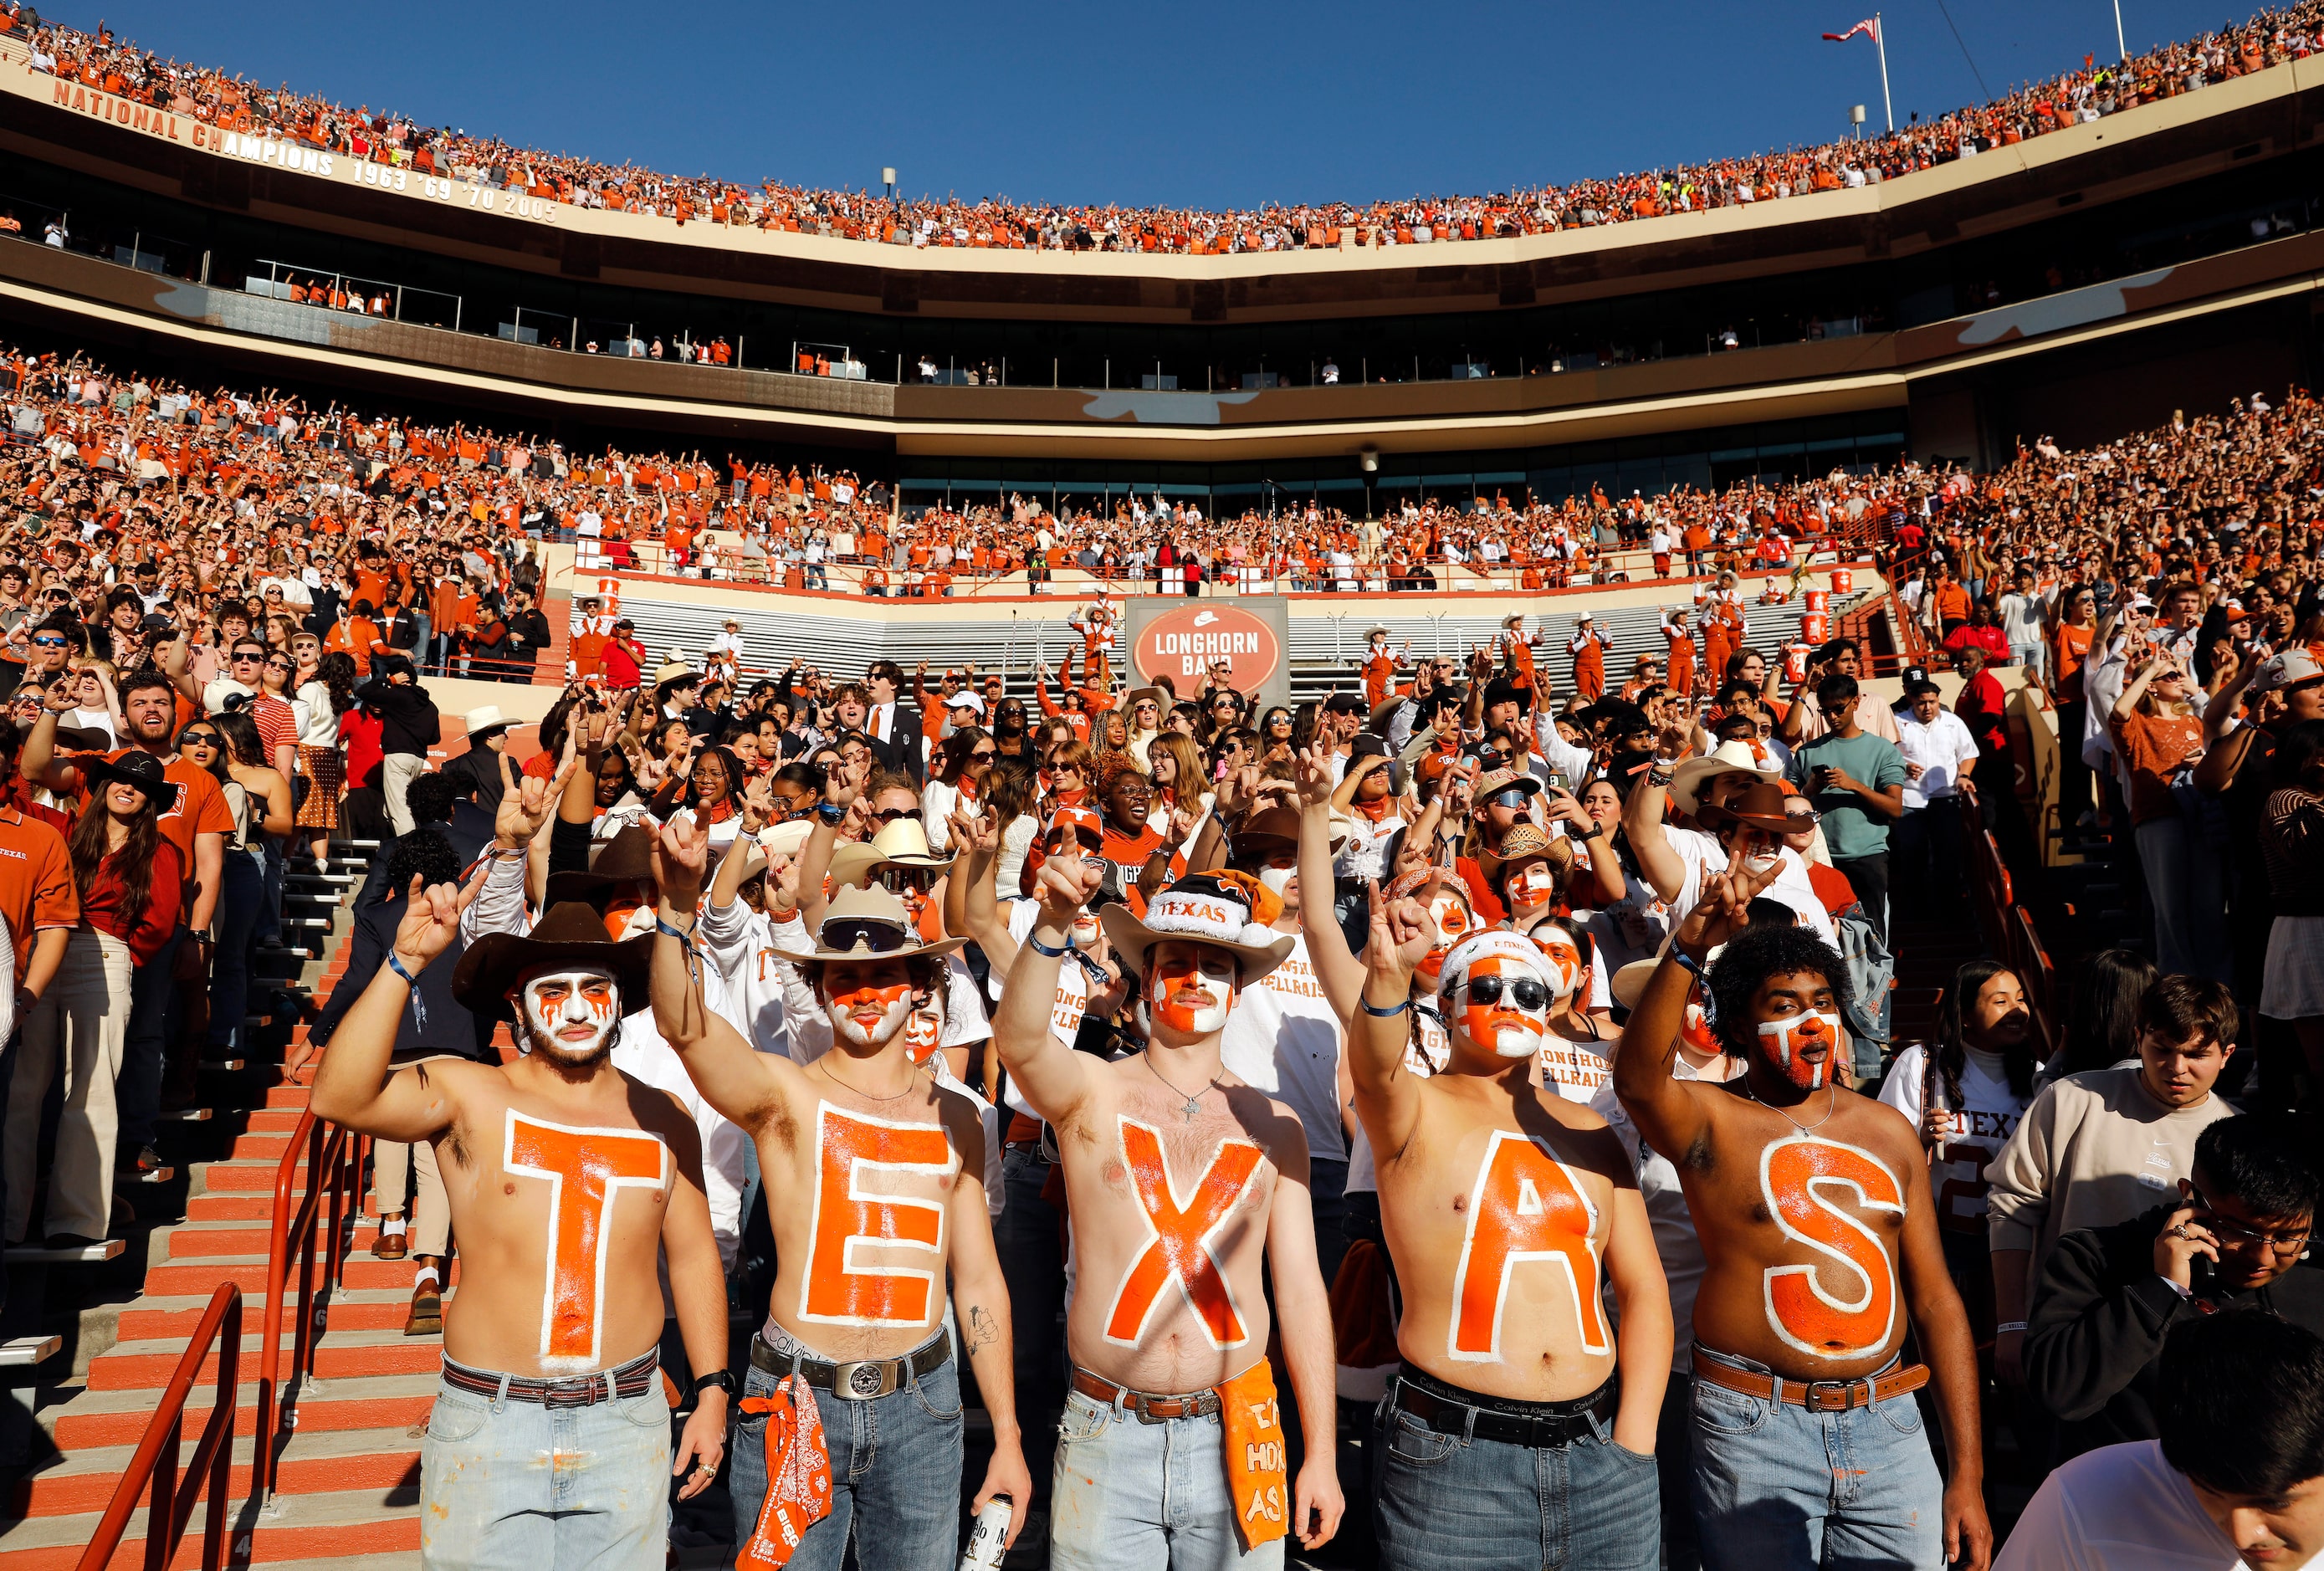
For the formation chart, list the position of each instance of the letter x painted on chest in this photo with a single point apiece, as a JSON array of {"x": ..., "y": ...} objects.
[
  {"x": 1182, "y": 1233},
  {"x": 586, "y": 1170}
]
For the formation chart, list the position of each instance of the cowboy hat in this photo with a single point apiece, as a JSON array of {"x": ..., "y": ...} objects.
[
  {"x": 82, "y": 739},
  {"x": 1693, "y": 774},
  {"x": 864, "y": 924},
  {"x": 902, "y": 844},
  {"x": 1522, "y": 841},
  {"x": 1276, "y": 829},
  {"x": 1761, "y": 806},
  {"x": 784, "y": 839},
  {"x": 141, "y": 770},
  {"x": 1153, "y": 696},
  {"x": 1372, "y": 632},
  {"x": 1215, "y": 909},
  {"x": 676, "y": 670},
  {"x": 570, "y": 934},
  {"x": 488, "y": 718},
  {"x": 626, "y": 858}
]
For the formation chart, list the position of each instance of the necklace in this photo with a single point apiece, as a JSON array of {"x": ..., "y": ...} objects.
[
  {"x": 824, "y": 1063},
  {"x": 1194, "y": 1104},
  {"x": 1832, "y": 1101}
]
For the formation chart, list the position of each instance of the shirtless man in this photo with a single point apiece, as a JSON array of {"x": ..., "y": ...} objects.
[
  {"x": 1506, "y": 1436},
  {"x": 876, "y": 1178},
  {"x": 1180, "y": 1180},
  {"x": 566, "y": 1177},
  {"x": 1820, "y": 1249}
]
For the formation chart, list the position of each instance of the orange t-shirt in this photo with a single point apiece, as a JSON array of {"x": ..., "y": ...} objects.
[{"x": 36, "y": 881}]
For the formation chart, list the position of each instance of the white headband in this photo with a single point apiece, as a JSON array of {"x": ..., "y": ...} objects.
[{"x": 1496, "y": 942}]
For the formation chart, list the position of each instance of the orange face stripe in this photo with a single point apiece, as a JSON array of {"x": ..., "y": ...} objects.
[
  {"x": 838, "y": 1293},
  {"x": 1799, "y": 1178},
  {"x": 1180, "y": 1249},
  {"x": 584, "y": 1167},
  {"x": 1526, "y": 1206}
]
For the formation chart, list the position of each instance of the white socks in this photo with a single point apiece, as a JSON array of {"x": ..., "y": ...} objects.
[
  {"x": 390, "y": 1227},
  {"x": 427, "y": 1278}
]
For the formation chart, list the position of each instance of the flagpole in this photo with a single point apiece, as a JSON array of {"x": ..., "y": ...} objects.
[{"x": 1880, "y": 39}]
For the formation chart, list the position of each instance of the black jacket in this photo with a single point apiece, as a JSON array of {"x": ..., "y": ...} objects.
[
  {"x": 901, "y": 753},
  {"x": 476, "y": 776},
  {"x": 408, "y": 719},
  {"x": 2100, "y": 1314},
  {"x": 470, "y": 832},
  {"x": 450, "y": 1029}
]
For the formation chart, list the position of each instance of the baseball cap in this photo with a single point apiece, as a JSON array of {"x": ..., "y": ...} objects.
[
  {"x": 2286, "y": 668},
  {"x": 1346, "y": 704}
]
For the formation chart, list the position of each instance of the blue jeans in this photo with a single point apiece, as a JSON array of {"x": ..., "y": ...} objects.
[
  {"x": 242, "y": 891},
  {"x": 2186, "y": 883},
  {"x": 1133, "y": 1496},
  {"x": 492, "y": 1500},
  {"x": 1441, "y": 1502},
  {"x": 1777, "y": 1486},
  {"x": 152, "y": 1007},
  {"x": 895, "y": 1463}
]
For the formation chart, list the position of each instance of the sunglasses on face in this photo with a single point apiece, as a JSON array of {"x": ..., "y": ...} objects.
[
  {"x": 890, "y": 814},
  {"x": 48, "y": 643},
  {"x": 866, "y": 933},
  {"x": 984, "y": 755},
  {"x": 1512, "y": 797},
  {"x": 1523, "y": 992},
  {"x": 197, "y": 739},
  {"x": 243, "y": 657}
]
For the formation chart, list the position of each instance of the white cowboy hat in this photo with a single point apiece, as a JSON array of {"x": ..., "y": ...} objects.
[
  {"x": 488, "y": 718},
  {"x": 1728, "y": 758},
  {"x": 902, "y": 844},
  {"x": 867, "y": 924},
  {"x": 1202, "y": 907},
  {"x": 784, "y": 839}
]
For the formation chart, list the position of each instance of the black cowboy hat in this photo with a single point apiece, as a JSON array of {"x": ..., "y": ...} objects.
[
  {"x": 135, "y": 768},
  {"x": 626, "y": 858},
  {"x": 571, "y": 934}
]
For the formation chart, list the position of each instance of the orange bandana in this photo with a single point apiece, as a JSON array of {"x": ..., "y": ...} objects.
[
  {"x": 1253, "y": 1422},
  {"x": 799, "y": 1475}
]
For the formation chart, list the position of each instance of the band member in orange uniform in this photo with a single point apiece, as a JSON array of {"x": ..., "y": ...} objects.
[
  {"x": 1821, "y": 1250},
  {"x": 1180, "y": 1180}
]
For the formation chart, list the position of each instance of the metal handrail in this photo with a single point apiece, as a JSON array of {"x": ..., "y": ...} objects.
[
  {"x": 332, "y": 1150},
  {"x": 153, "y": 1470}
]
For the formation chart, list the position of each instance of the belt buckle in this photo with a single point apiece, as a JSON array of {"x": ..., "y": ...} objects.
[
  {"x": 1840, "y": 1400},
  {"x": 864, "y": 1381}
]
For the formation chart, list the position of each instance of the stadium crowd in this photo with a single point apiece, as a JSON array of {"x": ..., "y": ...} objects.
[
  {"x": 1410, "y": 994},
  {"x": 116, "y": 66}
]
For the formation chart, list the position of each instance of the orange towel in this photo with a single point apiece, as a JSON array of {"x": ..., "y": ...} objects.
[{"x": 1253, "y": 1422}]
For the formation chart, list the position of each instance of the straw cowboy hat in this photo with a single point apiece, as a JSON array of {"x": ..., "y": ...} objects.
[
  {"x": 902, "y": 844},
  {"x": 784, "y": 839},
  {"x": 864, "y": 925},
  {"x": 1217, "y": 909},
  {"x": 626, "y": 858},
  {"x": 572, "y": 934},
  {"x": 1693, "y": 774}
]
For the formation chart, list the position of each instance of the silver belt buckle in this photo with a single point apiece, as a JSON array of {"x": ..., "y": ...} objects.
[{"x": 865, "y": 1380}]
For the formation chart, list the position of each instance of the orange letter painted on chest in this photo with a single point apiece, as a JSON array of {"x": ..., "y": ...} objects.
[
  {"x": 1801, "y": 1180},
  {"x": 850, "y": 1218},
  {"x": 585, "y": 1168},
  {"x": 1183, "y": 1231},
  {"x": 1526, "y": 1206}
]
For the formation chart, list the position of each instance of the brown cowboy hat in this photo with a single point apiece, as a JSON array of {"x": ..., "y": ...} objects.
[
  {"x": 626, "y": 858},
  {"x": 1760, "y": 806},
  {"x": 570, "y": 934},
  {"x": 1276, "y": 829}
]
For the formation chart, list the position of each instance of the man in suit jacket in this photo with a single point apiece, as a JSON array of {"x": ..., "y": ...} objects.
[{"x": 893, "y": 725}]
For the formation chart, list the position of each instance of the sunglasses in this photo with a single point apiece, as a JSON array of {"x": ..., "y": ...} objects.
[
  {"x": 48, "y": 643},
  {"x": 864, "y": 933},
  {"x": 197, "y": 739},
  {"x": 985, "y": 756},
  {"x": 1512, "y": 797},
  {"x": 890, "y": 814},
  {"x": 243, "y": 657},
  {"x": 1523, "y": 992},
  {"x": 905, "y": 880}
]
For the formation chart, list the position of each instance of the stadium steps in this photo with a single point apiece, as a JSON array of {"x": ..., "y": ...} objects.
[
  {"x": 548, "y": 665},
  {"x": 348, "y": 1475}
]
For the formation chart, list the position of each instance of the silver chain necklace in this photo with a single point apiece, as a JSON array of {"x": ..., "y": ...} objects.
[
  {"x": 1832, "y": 1101},
  {"x": 1194, "y": 1104}
]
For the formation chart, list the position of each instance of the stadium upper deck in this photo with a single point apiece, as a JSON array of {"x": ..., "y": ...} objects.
[{"x": 1902, "y": 293}]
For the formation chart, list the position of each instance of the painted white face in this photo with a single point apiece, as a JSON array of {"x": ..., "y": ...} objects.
[
  {"x": 1561, "y": 960},
  {"x": 1454, "y": 923},
  {"x": 1085, "y": 930},
  {"x": 571, "y": 1014},
  {"x": 1193, "y": 988},
  {"x": 1532, "y": 887},
  {"x": 1503, "y": 1007},
  {"x": 1276, "y": 879},
  {"x": 867, "y": 1004}
]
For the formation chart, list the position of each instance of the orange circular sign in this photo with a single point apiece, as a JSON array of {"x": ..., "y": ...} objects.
[{"x": 1183, "y": 643}]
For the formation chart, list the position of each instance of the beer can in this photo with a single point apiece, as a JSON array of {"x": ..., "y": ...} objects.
[
  {"x": 1815, "y": 627},
  {"x": 1842, "y": 581},
  {"x": 1795, "y": 662},
  {"x": 988, "y": 1536},
  {"x": 1819, "y": 601}
]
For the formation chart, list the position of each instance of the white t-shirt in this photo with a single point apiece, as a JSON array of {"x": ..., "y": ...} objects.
[
  {"x": 1702, "y": 854},
  {"x": 1284, "y": 1039},
  {"x": 1676, "y": 1242},
  {"x": 2120, "y": 1508},
  {"x": 1940, "y": 747},
  {"x": 1982, "y": 1126},
  {"x": 1424, "y": 1052},
  {"x": 1576, "y": 1070}
]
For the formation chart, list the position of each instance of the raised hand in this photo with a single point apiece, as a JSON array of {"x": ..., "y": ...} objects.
[
  {"x": 759, "y": 808},
  {"x": 681, "y": 853},
  {"x": 1068, "y": 882},
  {"x": 1312, "y": 772},
  {"x": 525, "y": 803},
  {"x": 1724, "y": 910},
  {"x": 431, "y": 920},
  {"x": 1401, "y": 936}
]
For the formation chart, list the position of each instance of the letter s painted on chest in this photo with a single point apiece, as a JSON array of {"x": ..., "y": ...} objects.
[{"x": 1800, "y": 1177}]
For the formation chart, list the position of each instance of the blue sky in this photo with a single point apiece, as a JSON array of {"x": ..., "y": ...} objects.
[{"x": 1202, "y": 103}]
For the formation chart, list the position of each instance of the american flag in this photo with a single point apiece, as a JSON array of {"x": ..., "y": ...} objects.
[{"x": 1869, "y": 27}]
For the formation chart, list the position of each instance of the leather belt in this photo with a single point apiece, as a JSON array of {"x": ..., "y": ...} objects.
[
  {"x": 1150, "y": 1409},
  {"x": 1551, "y": 1426},
  {"x": 1817, "y": 1396},
  {"x": 633, "y": 1379},
  {"x": 863, "y": 1380}
]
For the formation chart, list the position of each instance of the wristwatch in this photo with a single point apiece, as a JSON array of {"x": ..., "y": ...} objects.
[
  {"x": 724, "y": 1379},
  {"x": 830, "y": 813}
]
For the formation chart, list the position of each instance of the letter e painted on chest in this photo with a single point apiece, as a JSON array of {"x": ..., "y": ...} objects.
[{"x": 849, "y": 1217}]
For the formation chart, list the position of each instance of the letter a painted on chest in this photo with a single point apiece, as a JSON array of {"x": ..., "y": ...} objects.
[
  {"x": 1182, "y": 1234},
  {"x": 1800, "y": 1179},
  {"x": 850, "y": 1218},
  {"x": 585, "y": 1168},
  {"x": 1527, "y": 1206}
]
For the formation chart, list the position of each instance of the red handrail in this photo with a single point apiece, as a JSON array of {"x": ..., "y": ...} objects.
[
  {"x": 169, "y": 1510},
  {"x": 334, "y": 1156}
]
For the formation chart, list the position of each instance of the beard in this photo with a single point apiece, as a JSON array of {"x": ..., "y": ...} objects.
[
  {"x": 879, "y": 1034},
  {"x": 571, "y": 1057}
]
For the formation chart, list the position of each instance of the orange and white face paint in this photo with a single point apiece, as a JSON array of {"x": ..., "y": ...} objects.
[
  {"x": 1561, "y": 958},
  {"x": 1193, "y": 988},
  {"x": 854, "y": 1220},
  {"x": 1696, "y": 1032},
  {"x": 864, "y": 1009},
  {"x": 922, "y": 1032},
  {"x": 1454, "y": 921},
  {"x": 1525, "y": 1208},
  {"x": 1505, "y": 1025},
  {"x": 1529, "y": 887},
  {"x": 1787, "y": 1043},
  {"x": 1183, "y": 1232},
  {"x": 1804, "y": 1182},
  {"x": 572, "y": 1015},
  {"x": 585, "y": 1170}
]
